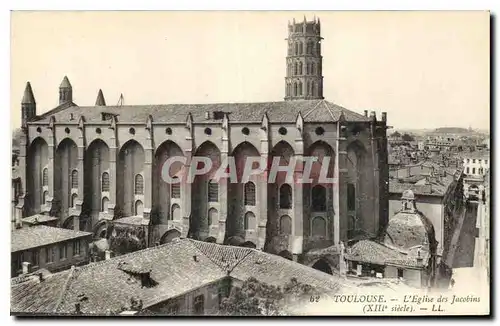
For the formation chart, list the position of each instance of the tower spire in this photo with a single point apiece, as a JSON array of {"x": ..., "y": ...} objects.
[
  {"x": 65, "y": 91},
  {"x": 28, "y": 97},
  {"x": 304, "y": 80},
  {"x": 28, "y": 106},
  {"x": 100, "y": 99}
]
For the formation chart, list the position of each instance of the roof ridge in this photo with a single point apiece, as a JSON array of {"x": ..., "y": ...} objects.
[
  {"x": 314, "y": 108},
  {"x": 213, "y": 259},
  {"x": 65, "y": 288},
  {"x": 329, "y": 110},
  {"x": 57, "y": 109}
]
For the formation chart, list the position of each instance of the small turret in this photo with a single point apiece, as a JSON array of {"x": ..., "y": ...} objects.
[
  {"x": 65, "y": 91},
  {"x": 28, "y": 106},
  {"x": 100, "y": 99}
]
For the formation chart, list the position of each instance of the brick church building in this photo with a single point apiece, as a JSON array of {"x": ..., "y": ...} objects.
[{"x": 96, "y": 166}]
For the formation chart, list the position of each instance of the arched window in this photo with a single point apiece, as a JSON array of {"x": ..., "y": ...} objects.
[
  {"x": 176, "y": 213},
  {"x": 308, "y": 68},
  {"x": 286, "y": 196},
  {"x": 300, "y": 88},
  {"x": 285, "y": 225},
  {"x": 213, "y": 191},
  {"x": 105, "y": 182},
  {"x": 44, "y": 198},
  {"x": 296, "y": 68},
  {"x": 105, "y": 202},
  {"x": 45, "y": 177},
  {"x": 74, "y": 197},
  {"x": 295, "y": 91},
  {"x": 319, "y": 226},
  {"x": 301, "y": 47},
  {"x": 296, "y": 48},
  {"x": 74, "y": 179},
  {"x": 313, "y": 88},
  {"x": 139, "y": 184},
  {"x": 308, "y": 87},
  {"x": 318, "y": 48},
  {"x": 139, "y": 208},
  {"x": 175, "y": 188},
  {"x": 313, "y": 68},
  {"x": 300, "y": 68},
  {"x": 250, "y": 194},
  {"x": 249, "y": 221},
  {"x": 351, "y": 197},
  {"x": 213, "y": 216},
  {"x": 318, "y": 195}
]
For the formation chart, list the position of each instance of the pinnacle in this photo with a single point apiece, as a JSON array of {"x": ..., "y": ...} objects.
[
  {"x": 100, "y": 99},
  {"x": 28, "y": 97},
  {"x": 65, "y": 83}
]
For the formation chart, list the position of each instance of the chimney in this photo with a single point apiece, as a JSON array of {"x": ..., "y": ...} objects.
[
  {"x": 26, "y": 267},
  {"x": 40, "y": 277},
  {"x": 366, "y": 113},
  {"x": 384, "y": 116},
  {"x": 107, "y": 254},
  {"x": 195, "y": 258}
]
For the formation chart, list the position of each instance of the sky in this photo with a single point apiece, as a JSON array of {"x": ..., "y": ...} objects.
[{"x": 425, "y": 69}]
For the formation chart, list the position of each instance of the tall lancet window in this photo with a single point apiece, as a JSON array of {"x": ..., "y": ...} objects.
[
  {"x": 250, "y": 194},
  {"x": 139, "y": 185},
  {"x": 176, "y": 188},
  {"x": 74, "y": 179},
  {"x": 213, "y": 191},
  {"x": 105, "y": 182},
  {"x": 286, "y": 196},
  {"x": 45, "y": 177}
]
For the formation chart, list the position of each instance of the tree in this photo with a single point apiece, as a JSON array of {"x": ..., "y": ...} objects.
[
  {"x": 396, "y": 134},
  {"x": 407, "y": 137},
  {"x": 256, "y": 298}
]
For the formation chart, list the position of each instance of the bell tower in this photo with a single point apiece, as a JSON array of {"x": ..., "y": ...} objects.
[{"x": 304, "y": 63}]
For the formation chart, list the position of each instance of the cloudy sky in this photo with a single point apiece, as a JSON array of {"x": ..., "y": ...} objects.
[{"x": 425, "y": 69}]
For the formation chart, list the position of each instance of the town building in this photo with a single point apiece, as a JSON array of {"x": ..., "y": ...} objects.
[
  {"x": 44, "y": 247},
  {"x": 182, "y": 277},
  {"x": 438, "y": 192},
  {"x": 407, "y": 249},
  {"x": 91, "y": 166},
  {"x": 476, "y": 165}
]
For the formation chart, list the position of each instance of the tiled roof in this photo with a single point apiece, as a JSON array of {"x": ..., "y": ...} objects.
[
  {"x": 107, "y": 287},
  {"x": 276, "y": 270},
  {"x": 226, "y": 257},
  {"x": 284, "y": 111},
  {"x": 41, "y": 235},
  {"x": 176, "y": 267},
  {"x": 39, "y": 218},
  {"x": 30, "y": 295},
  {"x": 372, "y": 252}
]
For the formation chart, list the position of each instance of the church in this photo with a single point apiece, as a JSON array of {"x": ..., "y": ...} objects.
[{"x": 98, "y": 168}]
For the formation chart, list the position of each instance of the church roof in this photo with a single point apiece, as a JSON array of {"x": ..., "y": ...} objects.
[
  {"x": 284, "y": 111},
  {"x": 28, "y": 97}
]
